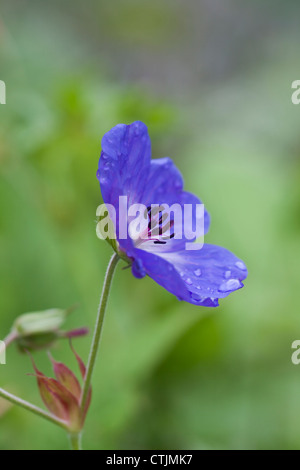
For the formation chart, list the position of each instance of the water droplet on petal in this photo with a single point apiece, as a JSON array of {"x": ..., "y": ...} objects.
[
  {"x": 181, "y": 274},
  {"x": 103, "y": 180},
  {"x": 227, "y": 274},
  {"x": 178, "y": 184},
  {"x": 197, "y": 272},
  {"x": 231, "y": 284},
  {"x": 196, "y": 297},
  {"x": 241, "y": 265},
  {"x": 188, "y": 281}
]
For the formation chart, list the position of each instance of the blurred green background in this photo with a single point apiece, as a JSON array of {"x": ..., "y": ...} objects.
[{"x": 212, "y": 80}]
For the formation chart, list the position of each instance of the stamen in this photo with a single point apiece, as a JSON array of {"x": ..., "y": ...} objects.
[
  {"x": 162, "y": 218},
  {"x": 156, "y": 218},
  {"x": 147, "y": 212}
]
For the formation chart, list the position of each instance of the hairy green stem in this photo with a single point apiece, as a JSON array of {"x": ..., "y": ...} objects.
[
  {"x": 75, "y": 441},
  {"x": 34, "y": 409},
  {"x": 98, "y": 329}
]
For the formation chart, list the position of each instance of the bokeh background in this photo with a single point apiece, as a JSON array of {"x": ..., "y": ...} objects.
[{"x": 212, "y": 80}]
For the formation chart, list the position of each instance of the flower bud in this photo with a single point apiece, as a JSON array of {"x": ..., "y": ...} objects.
[
  {"x": 62, "y": 396},
  {"x": 38, "y": 330}
]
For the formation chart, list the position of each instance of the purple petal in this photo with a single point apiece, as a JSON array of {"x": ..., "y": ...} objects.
[
  {"x": 165, "y": 186},
  {"x": 124, "y": 166},
  {"x": 183, "y": 224},
  {"x": 200, "y": 277},
  {"x": 159, "y": 269},
  {"x": 124, "y": 163},
  {"x": 164, "y": 183}
]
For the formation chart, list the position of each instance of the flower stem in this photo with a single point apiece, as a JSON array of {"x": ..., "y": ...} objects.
[
  {"x": 34, "y": 409},
  {"x": 7, "y": 341},
  {"x": 10, "y": 338},
  {"x": 75, "y": 440},
  {"x": 98, "y": 329}
]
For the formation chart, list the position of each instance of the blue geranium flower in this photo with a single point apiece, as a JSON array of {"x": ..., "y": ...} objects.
[{"x": 200, "y": 277}]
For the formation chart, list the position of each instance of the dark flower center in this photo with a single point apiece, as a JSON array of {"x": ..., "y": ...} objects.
[{"x": 159, "y": 223}]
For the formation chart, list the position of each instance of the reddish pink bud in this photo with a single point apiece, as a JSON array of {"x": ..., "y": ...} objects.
[
  {"x": 66, "y": 377},
  {"x": 62, "y": 396},
  {"x": 75, "y": 333}
]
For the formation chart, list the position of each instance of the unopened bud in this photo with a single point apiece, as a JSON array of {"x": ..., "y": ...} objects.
[
  {"x": 38, "y": 330},
  {"x": 62, "y": 395}
]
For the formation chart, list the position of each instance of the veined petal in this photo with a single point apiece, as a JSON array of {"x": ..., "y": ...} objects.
[
  {"x": 165, "y": 186},
  {"x": 164, "y": 183},
  {"x": 124, "y": 164},
  {"x": 200, "y": 277},
  {"x": 210, "y": 273},
  {"x": 161, "y": 270}
]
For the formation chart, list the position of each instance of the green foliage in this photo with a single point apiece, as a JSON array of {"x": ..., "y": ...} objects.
[{"x": 169, "y": 375}]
